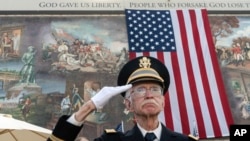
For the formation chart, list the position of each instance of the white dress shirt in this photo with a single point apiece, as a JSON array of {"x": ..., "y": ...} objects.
[{"x": 157, "y": 131}]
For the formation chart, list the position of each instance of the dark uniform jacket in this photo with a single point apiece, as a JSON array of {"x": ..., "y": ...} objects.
[{"x": 64, "y": 131}]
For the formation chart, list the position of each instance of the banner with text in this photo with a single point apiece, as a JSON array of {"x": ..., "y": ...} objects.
[{"x": 120, "y": 5}]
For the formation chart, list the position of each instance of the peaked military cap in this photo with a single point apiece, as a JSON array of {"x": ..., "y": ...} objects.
[{"x": 142, "y": 69}]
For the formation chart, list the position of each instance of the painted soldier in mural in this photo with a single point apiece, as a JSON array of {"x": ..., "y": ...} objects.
[
  {"x": 247, "y": 51},
  {"x": 27, "y": 72},
  {"x": 77, "y": 100},
  {"x": 16, "y": 43},
  {"x": 66, "y": 105},
  {"x": 6, "y": 45},
  {"x": 62, "y": 49},
  {"x": 26, "y": 107},
  {"x": 245, "y": 108}
]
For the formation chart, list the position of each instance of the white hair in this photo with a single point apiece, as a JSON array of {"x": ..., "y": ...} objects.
[{"x": 127, "y": 94}]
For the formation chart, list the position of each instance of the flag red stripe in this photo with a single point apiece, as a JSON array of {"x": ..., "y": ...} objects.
[
  {"x": 160, "y": 56},
  {"x": 168, "y": 112},
  {"x": 132, "y": 55},
  {"x": 217, "y": 71},
  {"x": 146, "y": 53}
]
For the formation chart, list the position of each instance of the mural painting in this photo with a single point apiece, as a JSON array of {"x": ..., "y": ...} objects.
[
  {"x": 232, "y": 38},
  {"x": 50, "y": 66}
]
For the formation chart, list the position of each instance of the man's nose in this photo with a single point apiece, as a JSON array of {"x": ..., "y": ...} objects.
[{"x": 148, "y": 93}]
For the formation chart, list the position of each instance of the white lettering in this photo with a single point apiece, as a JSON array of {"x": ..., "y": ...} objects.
[{"x": 239, "y": 132}]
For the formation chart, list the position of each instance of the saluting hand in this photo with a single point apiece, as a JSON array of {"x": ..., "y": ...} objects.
[{"x": 106, "y": 93}]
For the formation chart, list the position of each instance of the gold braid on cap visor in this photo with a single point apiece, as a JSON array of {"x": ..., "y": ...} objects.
[{"x": 144, "y": 73}]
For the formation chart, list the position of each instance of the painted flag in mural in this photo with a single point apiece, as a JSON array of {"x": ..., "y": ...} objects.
[{"x": 182, "y": 40}]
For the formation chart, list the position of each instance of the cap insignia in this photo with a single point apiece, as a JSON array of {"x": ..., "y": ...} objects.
[{"x": 145, "y": 62}]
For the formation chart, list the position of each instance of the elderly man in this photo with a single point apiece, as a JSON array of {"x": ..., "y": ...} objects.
[{"x": 143, "y": 82}]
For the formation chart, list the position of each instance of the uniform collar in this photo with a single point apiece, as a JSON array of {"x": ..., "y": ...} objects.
[{"x": 156, "y": 131}]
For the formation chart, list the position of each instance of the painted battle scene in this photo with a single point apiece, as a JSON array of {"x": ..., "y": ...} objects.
[
  {"x": 231, "y": 39},
  {"x": 51, "y": 64}
]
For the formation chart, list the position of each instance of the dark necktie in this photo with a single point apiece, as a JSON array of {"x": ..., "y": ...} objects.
[{"x": 150, "y": 137}]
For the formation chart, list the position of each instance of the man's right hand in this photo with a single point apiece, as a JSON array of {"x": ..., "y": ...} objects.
[
  {"x": 97, "y": 102},
  {"x": 106, "y": 93}
]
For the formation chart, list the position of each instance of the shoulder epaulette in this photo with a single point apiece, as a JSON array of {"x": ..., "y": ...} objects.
[
  {"x": 54, "y": 138},
  {"x": 190, "y": 136},
  {"x": 108, "y": 131}
]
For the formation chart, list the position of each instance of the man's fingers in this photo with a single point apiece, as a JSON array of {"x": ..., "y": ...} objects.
[{"x": 124, "y": 88}]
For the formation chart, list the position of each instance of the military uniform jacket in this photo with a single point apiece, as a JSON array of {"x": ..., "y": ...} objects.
[{"x": 65, "y": 131}]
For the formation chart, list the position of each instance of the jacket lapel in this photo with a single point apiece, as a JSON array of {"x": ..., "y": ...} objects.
[
  {"x": 136, "y": 135},
  {"x": 168, "y": 135},
  {"x": 133, "y": 135},
  {"x": 165, "y": 134}
]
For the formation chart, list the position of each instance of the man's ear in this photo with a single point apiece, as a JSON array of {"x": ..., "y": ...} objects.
[{"x": 128, "y": 103}]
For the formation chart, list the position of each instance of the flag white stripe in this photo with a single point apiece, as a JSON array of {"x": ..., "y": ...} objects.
[{"x": 139, "y": 54}]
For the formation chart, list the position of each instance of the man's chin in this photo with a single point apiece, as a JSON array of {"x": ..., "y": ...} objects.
[{"x": 151, "y": 114}]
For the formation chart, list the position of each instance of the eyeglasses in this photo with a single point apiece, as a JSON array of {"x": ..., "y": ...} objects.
[{"x": 141, "y": 91}]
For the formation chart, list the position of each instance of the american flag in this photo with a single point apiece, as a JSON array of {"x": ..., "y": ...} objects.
[{"x": 182, "y": 40}]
